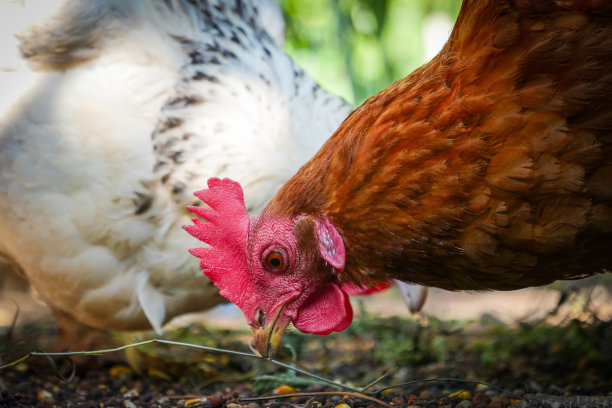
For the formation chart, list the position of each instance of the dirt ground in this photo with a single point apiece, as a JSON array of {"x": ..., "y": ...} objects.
[{"x": 528, "y": 355}]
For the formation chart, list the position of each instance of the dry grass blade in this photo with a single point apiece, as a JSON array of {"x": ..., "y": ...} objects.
[
  {"x": 359, "y": 393},
  {"x": 14, "y": 363},
  {"x": 379, "y": 379},
  {"x": 59, "y": 375},
  {"x": 440, "y": 379},
  {"x": 176, "y": 343}
]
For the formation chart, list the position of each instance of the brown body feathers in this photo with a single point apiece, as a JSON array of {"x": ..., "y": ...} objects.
[{"x": 490, "y": 167}]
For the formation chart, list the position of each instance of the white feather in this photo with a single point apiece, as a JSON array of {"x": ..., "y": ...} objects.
[{"x": 151, "y": 301}]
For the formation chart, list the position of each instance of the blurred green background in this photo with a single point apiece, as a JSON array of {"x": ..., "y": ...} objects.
[{"x": 354, "y": 48}]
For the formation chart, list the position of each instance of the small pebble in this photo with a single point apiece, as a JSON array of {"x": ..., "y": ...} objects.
[
  {"x": 444, "y": 401},
  {"x": 252, "y": 405},
  {"x": 46, "y": 397},
  {"x": 96, "y": 395},
  {"x": 397, "y": 401},
  {"x": 129, "y": 404},
  {"x": 131, "y": 394},
  {"x": 232, "y": 405},
  {"x": 501, "y": 401},
  {"x": 316, "y": 387},
  {"x": 217, "y": 400},
  {"x": 481, "y": 400},
  {"x": 426, "y": 395},
  {"x": 465, "y": 404},
  {"x": 491, "y": 393},
  {"x": 534, "y": 386}
]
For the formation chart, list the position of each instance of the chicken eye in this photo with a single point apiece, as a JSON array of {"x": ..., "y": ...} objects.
[{"x": 275, "y": 260}]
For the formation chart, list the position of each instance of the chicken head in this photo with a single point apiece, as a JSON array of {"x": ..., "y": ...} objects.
[{"x": 271, "y": 267}]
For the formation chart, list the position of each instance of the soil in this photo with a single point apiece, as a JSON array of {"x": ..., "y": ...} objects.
[{"x": 527, "y": 364}]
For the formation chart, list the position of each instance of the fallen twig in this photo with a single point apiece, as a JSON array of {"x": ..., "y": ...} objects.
[{"x": 316, "y": 394}]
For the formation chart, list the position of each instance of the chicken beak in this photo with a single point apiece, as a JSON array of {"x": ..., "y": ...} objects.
[{"x": 267, "y": 339}]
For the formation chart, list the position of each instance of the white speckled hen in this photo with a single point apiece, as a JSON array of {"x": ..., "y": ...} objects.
[{"x": 126, "y": 108}]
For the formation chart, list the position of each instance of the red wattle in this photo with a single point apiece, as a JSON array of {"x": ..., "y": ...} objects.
[{"x": 324, "y": 312}]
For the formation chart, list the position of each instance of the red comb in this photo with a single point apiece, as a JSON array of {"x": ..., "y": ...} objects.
[{"x": 225, "y": 260}]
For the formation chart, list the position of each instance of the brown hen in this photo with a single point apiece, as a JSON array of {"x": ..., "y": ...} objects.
[{"x": 490, "y": 167}]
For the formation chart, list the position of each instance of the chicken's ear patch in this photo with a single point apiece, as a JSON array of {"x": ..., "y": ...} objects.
[
  {"x": 331, "y": 303},
  {"x": 331, "y": 246}
]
